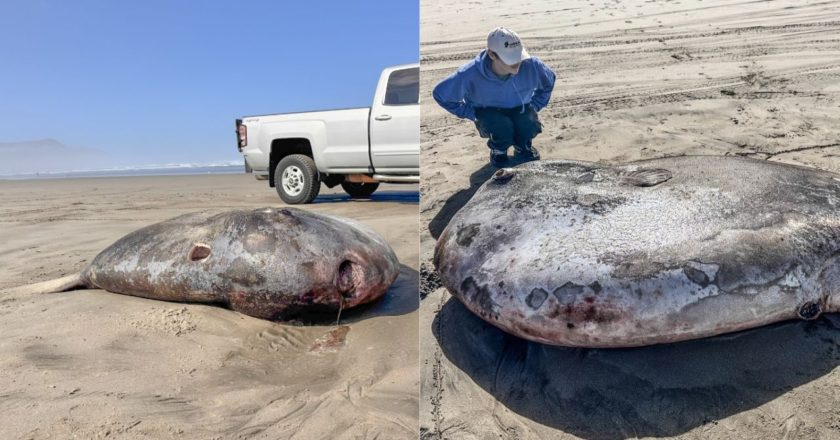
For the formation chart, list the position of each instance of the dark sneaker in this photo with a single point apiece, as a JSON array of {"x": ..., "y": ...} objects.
[
  {"x": 498, "y": 160},
  {"x": 527, "y": 154}
]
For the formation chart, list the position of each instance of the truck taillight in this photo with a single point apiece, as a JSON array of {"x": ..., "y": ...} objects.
[{"x": 241, "y": 134}]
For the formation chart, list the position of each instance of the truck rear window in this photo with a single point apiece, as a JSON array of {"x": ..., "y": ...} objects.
[{"x": 403, "y": 87}]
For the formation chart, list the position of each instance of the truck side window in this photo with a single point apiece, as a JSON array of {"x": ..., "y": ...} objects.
[{"x": 403, "y": 87}]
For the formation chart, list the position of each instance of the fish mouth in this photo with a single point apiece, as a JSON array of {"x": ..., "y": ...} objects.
[
  {"x": 361, "y": 279},
  {"x": 350, "y": 283},
  {"x": 346, "y": 280}
]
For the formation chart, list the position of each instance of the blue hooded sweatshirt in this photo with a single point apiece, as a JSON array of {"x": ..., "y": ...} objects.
[{"x": 475, "y": 85}]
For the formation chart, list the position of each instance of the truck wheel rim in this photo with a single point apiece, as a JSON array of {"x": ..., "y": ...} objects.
[{"x": 292, "y": 181}]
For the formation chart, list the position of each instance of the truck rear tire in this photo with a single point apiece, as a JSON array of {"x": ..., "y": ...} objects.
[
  {"x": 359, "y": 190},
  {"x": 296, "y": 179}
]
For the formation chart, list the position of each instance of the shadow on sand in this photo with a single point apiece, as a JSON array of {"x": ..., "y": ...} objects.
[
  {"x": 406, "y": 197},
  {"x": 662, "y": 390}
]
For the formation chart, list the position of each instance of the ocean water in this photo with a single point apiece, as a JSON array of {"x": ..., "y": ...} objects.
[{"x": 181, "y": 170}]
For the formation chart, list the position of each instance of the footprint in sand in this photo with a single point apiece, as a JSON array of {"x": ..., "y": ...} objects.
[{"x": 283, "y": 338}]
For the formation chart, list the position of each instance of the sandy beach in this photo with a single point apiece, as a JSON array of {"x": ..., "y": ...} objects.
[
  {"x": 92, "y": 364},
  {"x": 635, "y": 80}
]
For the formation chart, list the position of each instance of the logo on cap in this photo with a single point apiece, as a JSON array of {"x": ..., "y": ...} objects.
[{"x": 505, "y": 43}]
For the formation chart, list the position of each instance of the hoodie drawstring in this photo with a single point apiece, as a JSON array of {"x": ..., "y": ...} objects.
[{"x": 516, "y": 89}]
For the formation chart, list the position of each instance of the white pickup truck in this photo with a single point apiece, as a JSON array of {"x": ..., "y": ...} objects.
[{"x": 356, "y": 148}]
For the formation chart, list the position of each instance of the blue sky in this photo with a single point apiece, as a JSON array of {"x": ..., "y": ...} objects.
[{"x": 148, "y": 82}]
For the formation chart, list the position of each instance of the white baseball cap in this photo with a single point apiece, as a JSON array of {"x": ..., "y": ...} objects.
[{"x": 505, "y": 43}]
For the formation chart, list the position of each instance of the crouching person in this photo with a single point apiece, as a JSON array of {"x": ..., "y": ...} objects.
[{"x": 501, "y": 90}]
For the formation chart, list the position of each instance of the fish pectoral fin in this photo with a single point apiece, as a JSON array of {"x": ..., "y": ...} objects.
[{"x": 647, "y": 177}]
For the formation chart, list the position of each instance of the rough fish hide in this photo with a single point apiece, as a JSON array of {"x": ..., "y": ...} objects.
[
  {"x": 268, "y": 263},
  {"x": 583, "y": 254}
]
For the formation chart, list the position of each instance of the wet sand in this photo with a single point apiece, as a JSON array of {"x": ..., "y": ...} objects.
[{"x": 92, "y": 364}]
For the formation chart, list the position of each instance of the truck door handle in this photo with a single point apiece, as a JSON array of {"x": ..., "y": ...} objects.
[{"x": 383, "y": 117}]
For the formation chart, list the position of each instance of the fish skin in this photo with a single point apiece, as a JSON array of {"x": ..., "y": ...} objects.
[
  {"x": 270, "y": 263},
  {"x": 663, "y": 250}
]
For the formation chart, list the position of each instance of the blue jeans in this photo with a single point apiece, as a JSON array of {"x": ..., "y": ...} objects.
[{"x": 504, "y": 127}]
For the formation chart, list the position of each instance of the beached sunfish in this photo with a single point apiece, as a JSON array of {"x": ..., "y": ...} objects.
[
  {"x": 268, "y": 263},
  {"x": 584, "y": 254}
]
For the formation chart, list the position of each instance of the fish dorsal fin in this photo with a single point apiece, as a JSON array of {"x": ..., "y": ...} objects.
[
  {"x": 647, "y": 177},
  {"x": 62, "y": 284}
]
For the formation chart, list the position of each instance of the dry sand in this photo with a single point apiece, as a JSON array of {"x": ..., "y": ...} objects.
[
  {"x": 92, "y": 364},
  {"x": 635, "y": 80}
]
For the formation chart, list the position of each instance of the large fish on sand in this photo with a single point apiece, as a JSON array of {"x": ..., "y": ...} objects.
[
  {"x": 268, "y": 263},
  {"x": 656, "y": 251}
]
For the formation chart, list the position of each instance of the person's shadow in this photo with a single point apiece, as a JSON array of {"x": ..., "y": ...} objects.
[
  {"x": 662, "y": 390},
  {"x": 457, "y": 201}
]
